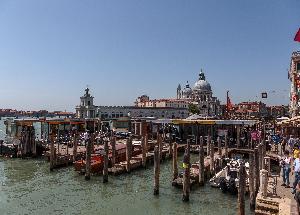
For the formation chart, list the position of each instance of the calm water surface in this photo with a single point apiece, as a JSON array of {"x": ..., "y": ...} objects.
[{"x": 27, "y": 187}]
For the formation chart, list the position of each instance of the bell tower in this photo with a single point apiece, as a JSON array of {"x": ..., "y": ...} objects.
[{"x": 86, "y": 109}]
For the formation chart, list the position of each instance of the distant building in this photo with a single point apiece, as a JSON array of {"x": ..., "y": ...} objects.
[
  {"x": 201, "y": 95},
  {"x": 249, "y": 110},
  {"x": 112, "y": 112},
  {"x": 87, "y": 109},
  {"x": 294, "y": 76},
  {"x": 144, "y": 101}
]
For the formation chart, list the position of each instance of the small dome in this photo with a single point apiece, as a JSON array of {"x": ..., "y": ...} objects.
[{"x": 187, "y": 91}]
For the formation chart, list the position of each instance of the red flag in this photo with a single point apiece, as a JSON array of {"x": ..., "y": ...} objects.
[{"x": 297, "y": 36}]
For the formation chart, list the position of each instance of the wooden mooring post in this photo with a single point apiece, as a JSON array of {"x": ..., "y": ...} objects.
[
  {"x": 113, "y": 150},
  {"x": 238, "y": 136},
  {"x": 159, "y": 143},
  {"x": 88, "y": 159},
  {"x": 186, "y": 173},
  {"x": 219, "y": 147},
  {"x": 170, "y": 147},
  {"x": 156, "y": 170},
  {"x": 105, "y": 164},
  {"x": 144, "y": 159},
  {"x": 174, "y": 163},
  {"x": 201, "y": 163},
  {"x": 211, "y": 153},
  {"x": 241, "y": 189},
  {"x": 75, "y": 143},
  {"x": 251, "y": 181},
  {"x": 146, "y": 143},
  {"x": 52, "y": 156},
  {"x": 128, "y": 154},
  {"x": 208, "y": 146}
]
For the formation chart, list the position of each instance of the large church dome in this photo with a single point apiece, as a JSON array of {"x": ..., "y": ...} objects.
[{"x": 202, "y": 84}]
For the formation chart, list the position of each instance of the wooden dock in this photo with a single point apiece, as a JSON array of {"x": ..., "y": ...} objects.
[
  {"x": 136, "y": 161},
  {"x": 194, "y": 170}
]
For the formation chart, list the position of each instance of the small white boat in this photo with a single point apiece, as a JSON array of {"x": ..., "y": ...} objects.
[{"x": 228, "y": 178}]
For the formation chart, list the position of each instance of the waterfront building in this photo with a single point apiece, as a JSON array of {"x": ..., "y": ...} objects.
[
  {"x": 114, "y": 112},
  {"x": 294, "y": 77},
  {"x": 86, "y": 109}
]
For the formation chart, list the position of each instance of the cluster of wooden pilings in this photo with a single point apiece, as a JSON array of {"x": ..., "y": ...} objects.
[
  {"x": 56, "y": 158},
  {"x": 198, "y": 172},
  {"x": 259, "y": 168},
  {"x": 209, "y": 163},
  {"x": 132, "y": 161},
  {"x": 27, "y": 145}
]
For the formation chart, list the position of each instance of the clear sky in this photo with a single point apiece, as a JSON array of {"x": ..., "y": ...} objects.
[{"x": 50, "y": 50}]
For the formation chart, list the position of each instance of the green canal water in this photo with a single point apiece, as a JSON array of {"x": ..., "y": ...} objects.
[{"x": 27, "y": 187}]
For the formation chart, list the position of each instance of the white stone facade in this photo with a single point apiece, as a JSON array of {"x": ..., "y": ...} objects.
[
  {"x": 86, "y": 109},
  {"x": 160, "y": 103},
  {"x": 201, "y": 95}
]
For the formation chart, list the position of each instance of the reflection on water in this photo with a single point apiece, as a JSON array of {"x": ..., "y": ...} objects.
[{"x": 27, "y": 187}]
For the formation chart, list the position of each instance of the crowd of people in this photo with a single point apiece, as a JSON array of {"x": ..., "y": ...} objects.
[{"x": 290, "y": 164}]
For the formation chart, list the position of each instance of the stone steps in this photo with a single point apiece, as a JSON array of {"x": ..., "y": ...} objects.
[
  {"x": 273, "y": 209},
  {"x": 262, "y": 212},
  {"x": 266, "y": 206}
]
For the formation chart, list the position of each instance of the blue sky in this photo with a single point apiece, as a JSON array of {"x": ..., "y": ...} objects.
[{"x": 50, "y": 50}]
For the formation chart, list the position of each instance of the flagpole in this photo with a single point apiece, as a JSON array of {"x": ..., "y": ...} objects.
[{"x": 227, "y": 101}]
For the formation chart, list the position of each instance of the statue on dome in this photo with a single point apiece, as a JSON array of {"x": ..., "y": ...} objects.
[
  {"x": 201, "y": 76},
  {"x": 87, "y": 92}
]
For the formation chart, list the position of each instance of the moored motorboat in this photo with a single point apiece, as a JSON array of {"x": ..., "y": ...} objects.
[
  {"x": 96, "y": 164},
  {"x": 228, "y": 178}
]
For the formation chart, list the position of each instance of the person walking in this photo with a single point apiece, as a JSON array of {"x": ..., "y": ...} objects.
[
  {"x": 291, "y": 143},
  {"x": 296, "y": 171},
  {"x": 286, "y": 163},
  {"x": 283, "y": 144}
]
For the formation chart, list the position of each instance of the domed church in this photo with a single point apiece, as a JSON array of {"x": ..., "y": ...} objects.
[{"x": 201, "y": 95}]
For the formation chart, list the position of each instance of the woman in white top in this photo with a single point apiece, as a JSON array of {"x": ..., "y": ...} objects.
[{"x": 286, "y": 163}]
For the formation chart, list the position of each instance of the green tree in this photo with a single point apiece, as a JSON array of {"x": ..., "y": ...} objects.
[{"x": 193, "y": 109}]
